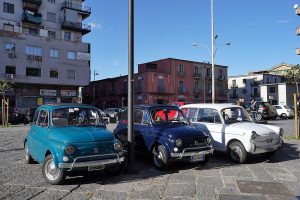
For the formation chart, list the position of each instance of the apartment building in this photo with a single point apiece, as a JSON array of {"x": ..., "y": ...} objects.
[
  {"x": 248, "y": 86},
  {"x": 42, "y": 50},
  {"x": 161, "y": 82}
]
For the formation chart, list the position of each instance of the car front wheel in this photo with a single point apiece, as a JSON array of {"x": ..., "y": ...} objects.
[
  {"x": 28, "y": 158},
  {"x": 51, "y": 173},
  {"x": 258, "y": 116},
  {"x": 283, "y": 116},
  {"x": 160, "y": 157},
  {"x": 237, "y": 152}
]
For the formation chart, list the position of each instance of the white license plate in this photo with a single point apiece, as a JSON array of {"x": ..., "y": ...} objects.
[
  {"x": 98, "y": 167},
  {"x": 197, "y": 157}
]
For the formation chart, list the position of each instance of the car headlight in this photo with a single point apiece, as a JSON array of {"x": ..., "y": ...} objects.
[
  {"x": 208, "y": 140},
  {"x": 118, "y": 146},
  {"x": 69, "y": 150},
  {"x": 179, "y": 142},
  {"x": 281, "y": 131},
  {"x": 254, "y": 135}
]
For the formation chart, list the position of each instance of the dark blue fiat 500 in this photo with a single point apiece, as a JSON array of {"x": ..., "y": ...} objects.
[
  {"x": 69, "y": 137},
  {"x": 165, "y": 133}
]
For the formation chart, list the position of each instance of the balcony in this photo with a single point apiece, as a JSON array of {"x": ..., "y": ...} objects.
[
  {"x": 76, "y": 26},
  {"x": 234, "y": 85},
  {"x": 254, "y": 83},
  {"x": 196, "y": 75},
  {"x": 32, "y": 18},
  {"x": 32, "y": 5},
  {"x": 82, "y": 10}
]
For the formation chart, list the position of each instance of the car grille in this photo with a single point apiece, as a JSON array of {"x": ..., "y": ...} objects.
[{"x": 193, "y": 142}]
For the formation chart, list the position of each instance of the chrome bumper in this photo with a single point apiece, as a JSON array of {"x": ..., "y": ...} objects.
[
  {"x": 76, "y": 164},
  {"x": 192, "y": 152},
  {"x": 263, "y": 149}
]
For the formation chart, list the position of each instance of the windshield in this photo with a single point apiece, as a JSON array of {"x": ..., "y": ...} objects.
[
  {"x": 167, "y": 115},
  {"x": 235, "y": 115},
  {"x": 76, "y": 117}
]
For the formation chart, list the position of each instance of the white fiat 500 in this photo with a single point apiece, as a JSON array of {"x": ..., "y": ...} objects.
[{"x": 234, "y": 131}]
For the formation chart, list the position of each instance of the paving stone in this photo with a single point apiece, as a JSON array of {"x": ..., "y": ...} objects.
[
  {"x": 239, "y": 197},
  {"x": 293, "y": 186},
  {"x": 237, "y": 172},
  {"x": 6, "y": 190},
  {"x": 108, "y": 195},
  {"x": 211, "y": 181},
  {"x": 263, "y": 177},
  {"x": 26, "y": 193},
  {"x": 155, "y": 192},
  {"x": 51, "y": 195},
  {"x": 182, "y": 178},
  {"x": 258, "y": 187},
  {"x": 205, "y": 192},
  {"x": 272, "y": 197},
  {"x": 227, "y": 190},
  {"x": 229, "y": 181},
  {"x": 183, "y": 190},
  {"x": 78, "y": 196}
]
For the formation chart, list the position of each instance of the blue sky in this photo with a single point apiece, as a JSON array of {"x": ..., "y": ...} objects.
[{"x": 261, "y": 33}]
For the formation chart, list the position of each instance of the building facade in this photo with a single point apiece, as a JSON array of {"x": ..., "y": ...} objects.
[
  {"x": 42, "y": 50},
  {"x": 162, "y": 82},
  {"x": 248, "y": 86}
]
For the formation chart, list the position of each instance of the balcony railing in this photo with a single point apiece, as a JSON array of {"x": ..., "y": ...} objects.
[
  {"x": 35, "y": 18},
  {"x": 233, "y": 85},
  {"x": 76, "y": 26},
  {"x": 83, "y": 10},
  {"x": 196, "y": 75},
  {"x": 35, "y": 2},
  {"x": 254, "y": 83}
]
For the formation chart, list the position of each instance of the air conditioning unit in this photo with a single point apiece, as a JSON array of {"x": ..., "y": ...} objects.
[
  {"x": 11, "y": 55},
  {"x": 38, "y": 58},
  {"x": 30, "y": 57},
  {"x": 10, "y": 76}
]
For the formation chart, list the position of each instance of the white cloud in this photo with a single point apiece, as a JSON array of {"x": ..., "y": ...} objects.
[
  {"x": 281, "y": 21},
  {"x": 95, "y": 25}
]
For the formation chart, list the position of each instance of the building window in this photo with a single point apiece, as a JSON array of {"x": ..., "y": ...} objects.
[
  {"x": 67, "y": 36},
  {"x": 71, "y": 55},
  {"x": 181, "y": 87},
  {"x": 51, "y": 17},
  {"x": 197, "y": 86},
  {"x": 33, "y": 72},
  {"x": 197, "y": 70},
  {"x": 180, "y": 69},
  {"x": 220, "y": 74},
  {"x": 8, "y": 27},
  {"x": 8, "y": 8},
  {"x": 244, "y": 81},
  {"x": 233, "y": 82},
  {"x": 53, "y": 53},
  {"x": 10, "y": 70},
  {"x": 272, "y": 89},
  {"x": 52, "y": 34},
  {"x": 51, "y": 1},
  {"x": 71, "y": 74},
  {"x": 208, "y": 72},
  {"x": 244, "y": 91},
  {"x": 53, "y": 73},
  {"x": 268, "y": 80},
  {"x": 160, "y": 84},
  {"x": 33, "y": 31},
  {"x": 33, "y": 51},
  {"x": 10, "y": 47}
]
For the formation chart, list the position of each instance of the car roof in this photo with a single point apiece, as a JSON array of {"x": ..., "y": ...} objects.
[
  {"x": 155, "y": 106},
  {"x": 53, "y": 106},
  {"x": 218, "y": 106}
]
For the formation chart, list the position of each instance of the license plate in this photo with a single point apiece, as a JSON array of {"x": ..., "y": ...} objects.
[
  {"x": 98, "y": 167},
  {"x": 198, "y": 157}
]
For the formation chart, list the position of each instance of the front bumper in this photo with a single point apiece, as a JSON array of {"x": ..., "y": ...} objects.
[
  {"x": 188, "y": 152},
  {"x": 116, "y": 159}
]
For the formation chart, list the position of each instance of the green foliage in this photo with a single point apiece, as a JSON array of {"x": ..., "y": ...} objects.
[
  {"x": 5, "y": 86},
  {"x": 293, "y": 74}
]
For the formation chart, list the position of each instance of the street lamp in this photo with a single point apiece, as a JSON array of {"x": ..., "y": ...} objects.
[{"x": 95, "y": 74}]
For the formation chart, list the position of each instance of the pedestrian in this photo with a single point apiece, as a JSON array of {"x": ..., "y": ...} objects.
[{"x": 253, "y": 109}]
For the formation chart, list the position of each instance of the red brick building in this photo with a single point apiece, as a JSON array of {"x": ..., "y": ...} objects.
[{"x": 162, "y": 81}]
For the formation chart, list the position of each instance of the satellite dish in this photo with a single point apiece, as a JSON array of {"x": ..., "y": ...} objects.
[{"x": 296, "y": 6}]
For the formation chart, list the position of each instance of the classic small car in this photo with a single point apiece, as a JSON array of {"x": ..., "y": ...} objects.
[
  {"x": 71, "y": 137},
  {"x": 233, "y": 130},
  {"x": 284, "y": 111},
  {"x": 165, "y": 133}
]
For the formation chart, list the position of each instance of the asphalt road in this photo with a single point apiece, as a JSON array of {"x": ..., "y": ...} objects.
[{"x": 278, "y": 178}]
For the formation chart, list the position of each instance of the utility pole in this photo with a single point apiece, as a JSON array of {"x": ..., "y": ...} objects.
[{"x": 212, "y": 53}]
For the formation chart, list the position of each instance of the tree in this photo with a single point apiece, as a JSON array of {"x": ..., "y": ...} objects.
[
  {"x": 4, "y": 87},
  {"x": 293, "y": 76}
]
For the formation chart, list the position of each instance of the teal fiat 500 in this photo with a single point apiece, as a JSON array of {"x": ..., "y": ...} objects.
[{"x": 71, "y": 137}]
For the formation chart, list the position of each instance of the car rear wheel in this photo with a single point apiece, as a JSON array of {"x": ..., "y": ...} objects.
[
  {"x": 28, "y": 158},
  {"x": 51, "y": 173},
  {"x": 283, "y": 116},
  {"x": 160, "y": 157},
  {"x": 258, "y": 116},
  {"x": 237, "y": 152}
]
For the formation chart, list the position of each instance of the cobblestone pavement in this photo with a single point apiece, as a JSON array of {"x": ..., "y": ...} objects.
[{"x": 278, "y": 178}]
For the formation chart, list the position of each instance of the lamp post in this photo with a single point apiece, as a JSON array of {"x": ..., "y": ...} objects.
[
  {"x": 95, "y": 74},
  {"x": 212, "y": 52}
]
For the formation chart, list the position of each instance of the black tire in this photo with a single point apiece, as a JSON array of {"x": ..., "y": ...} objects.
[
  {"x": 237, "y": 152},
  {"x": 204, "y": 162},
  {"x": 274, "y": 118},
  {"x": 57, "y": 176},
  {"x": 259, "y": 116},
  {"x": 283, "y": 116},
  {"x": 160, "y": 157},
  {"x": 268, "y": 154},
  {"x": 28, "y": 158}
]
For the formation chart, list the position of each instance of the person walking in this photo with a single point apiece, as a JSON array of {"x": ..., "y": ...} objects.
[{"x": 253, "y": 109}]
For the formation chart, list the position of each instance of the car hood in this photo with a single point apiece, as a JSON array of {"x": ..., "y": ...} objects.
[
  {"x": 179, "y": 131},
  {"x": 75, "y": 134},
  {"x": 248, "y": 127}
]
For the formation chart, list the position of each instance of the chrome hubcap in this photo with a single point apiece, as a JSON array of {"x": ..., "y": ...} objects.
[
  {"x": 158, "y": 157},
  {"x": 235, "y": 153},
  {"x": 26, "y": 152},
  {"x": 51, "y": 171}
]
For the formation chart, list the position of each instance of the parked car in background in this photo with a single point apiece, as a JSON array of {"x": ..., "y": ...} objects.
[
  {"x": 165, "y": 138},
  {"x": 28, "y": 114},
  {"x": 265, "y": 111},
  {"x": 233, "y": 131},
  {"x": 69, "y": 137},
  {"x": 284, "y": 111},
  {"x": 112, "y": 113}
]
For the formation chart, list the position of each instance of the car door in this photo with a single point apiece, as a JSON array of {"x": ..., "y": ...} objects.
[
  {"x": 32, "y": 136},
  {"x": 210, "y": 121},
  {"x": 39, "y": 135}
]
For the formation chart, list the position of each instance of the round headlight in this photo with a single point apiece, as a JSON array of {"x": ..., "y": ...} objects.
[
  {"x": 254, "y": 135},
  {"x": 118, "y": 146},
  {"x": 208, "y": 140},
  {"x": 179, "y": 142},
  {"x": 69, "y": 150}
]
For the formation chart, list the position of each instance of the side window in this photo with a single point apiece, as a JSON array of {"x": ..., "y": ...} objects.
[
  {"x": 146, "y": 118},
  {"x": 208, "y": 115},
  {"x": 35, "y": 116},
  {"x": 138, "y": 116},
  {"x": 43, "y": 118},
  {"x": 190, "y": 113}
]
